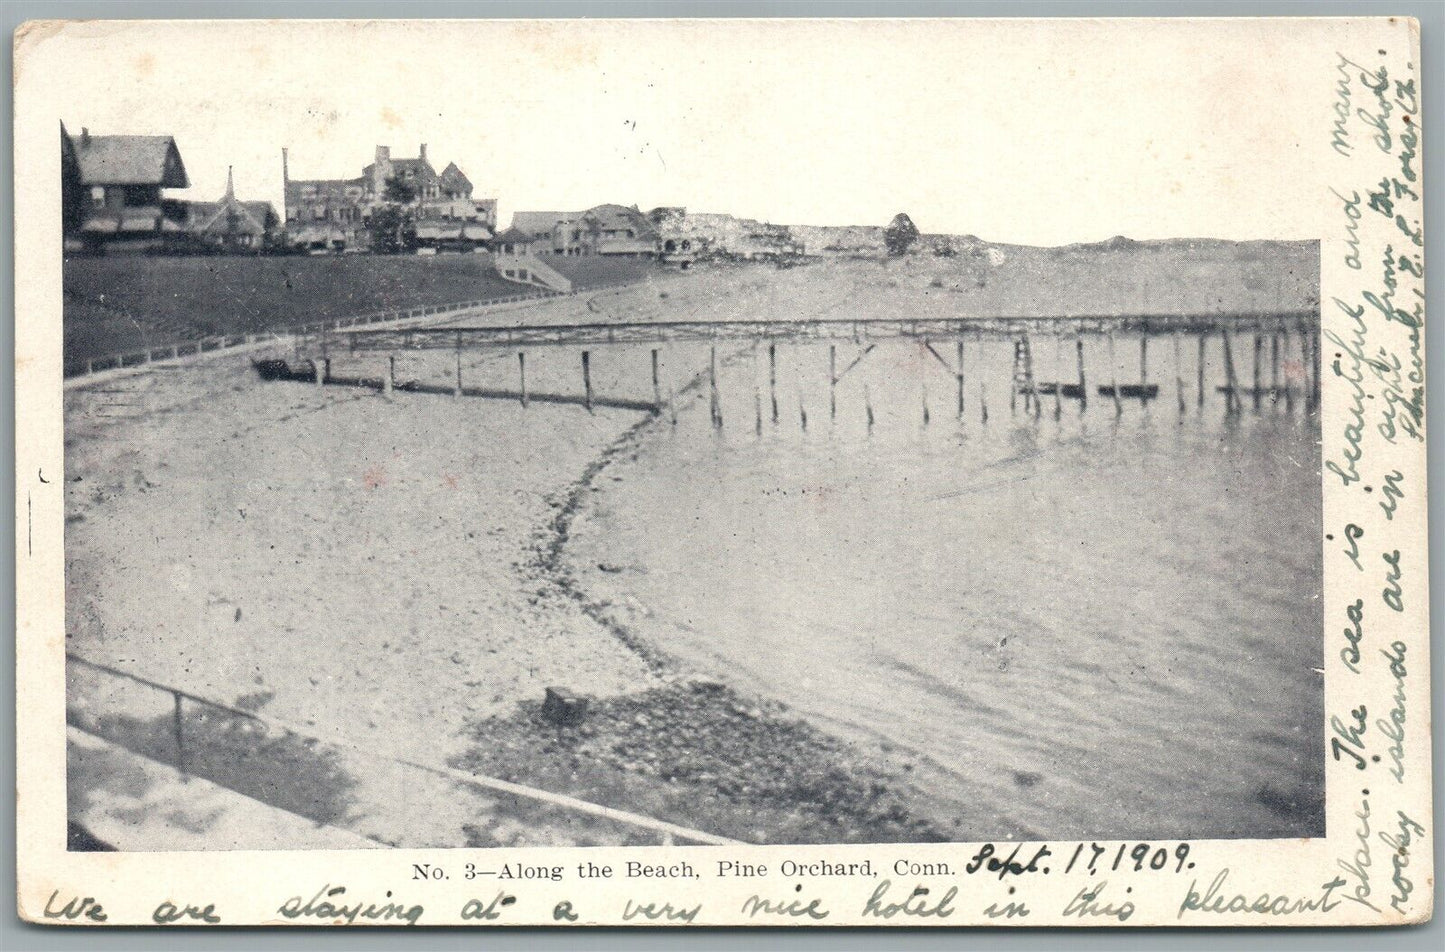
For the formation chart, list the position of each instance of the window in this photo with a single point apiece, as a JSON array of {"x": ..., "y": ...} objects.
[{"x": 97, "y": 196}]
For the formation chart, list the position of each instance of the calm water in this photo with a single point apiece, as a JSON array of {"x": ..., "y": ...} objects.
[{"x": 1098, "y": 624}]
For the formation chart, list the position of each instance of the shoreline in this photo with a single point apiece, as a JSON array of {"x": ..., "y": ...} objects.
[
  {"x": 630, "y": 738},
  {"x": 392, "y": 569},
  {"x": 412, "y": 571}
]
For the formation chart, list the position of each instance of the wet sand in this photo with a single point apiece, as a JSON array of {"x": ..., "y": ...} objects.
[
  {"x": 397, "y": 570},
  {"x": 377, "y": 567}
]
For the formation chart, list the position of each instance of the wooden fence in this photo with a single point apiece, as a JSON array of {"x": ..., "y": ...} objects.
[
  {"x": 183, "y": 751},
  {"x": 78, "y": 368}
]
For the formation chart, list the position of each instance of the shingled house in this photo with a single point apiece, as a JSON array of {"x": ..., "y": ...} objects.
[
  {"x": 601, "y": 230},
  {"x": 621, "y": 231},
  {"x": 333, "y": 213},
  {"x": 233, "y": 225},
  {"x": 114, "y": 187}
]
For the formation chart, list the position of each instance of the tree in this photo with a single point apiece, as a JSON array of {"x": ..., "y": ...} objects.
[
  {"x": 391, "y": 222},
  {"x": 398, "y": 191},
  {"x": 900, "y": 235},
  {"x": 388, "y": 227}
]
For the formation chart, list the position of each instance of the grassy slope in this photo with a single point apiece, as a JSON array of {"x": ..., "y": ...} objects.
[
  {"x": 600, "y": 272},
  {"x": 115, "y": 304}
]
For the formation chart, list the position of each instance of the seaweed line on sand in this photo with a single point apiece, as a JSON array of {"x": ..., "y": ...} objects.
[
  {"x": 693, "y": 751},
  {"x": 553, "y": 536}
]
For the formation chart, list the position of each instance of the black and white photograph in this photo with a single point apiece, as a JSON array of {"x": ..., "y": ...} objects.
[{"x": 496, "y": 437}]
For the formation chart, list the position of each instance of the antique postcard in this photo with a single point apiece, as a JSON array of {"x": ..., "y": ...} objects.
[{"x": 721, "y": 472}]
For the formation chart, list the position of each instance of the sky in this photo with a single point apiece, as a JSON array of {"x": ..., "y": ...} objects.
[{"x": 1032, "y": 132}]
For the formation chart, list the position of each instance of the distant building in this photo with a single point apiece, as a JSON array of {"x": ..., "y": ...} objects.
[
  {"x": 516, "y": 241},
  {"x": 113, "y": 188},
  {"x": 548, "y": 233},
  {"x": 675, "y": 241},
  {"x": 233, "y": 225},
  {"x": 621, "y": 230},
  {"x": 601, "y": 230},
  {"x": 333, "y": 213}
]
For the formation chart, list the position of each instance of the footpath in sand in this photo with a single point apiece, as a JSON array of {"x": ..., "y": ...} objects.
[{"x": 382, "y": 569}]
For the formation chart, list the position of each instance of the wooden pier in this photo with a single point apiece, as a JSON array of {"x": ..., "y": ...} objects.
[
  {"x": 873, "y": 329},
  {"x": 1281, "y": 350}
]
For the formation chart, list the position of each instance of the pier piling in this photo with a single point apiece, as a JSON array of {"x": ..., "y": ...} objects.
[
  {"x": 714, "y": 402},
  {"x": 1199, "y": 361},
  {"x": 1031, "y": 378},
  {"x": 773, "y": 378},
  {"x": 1258, "y": 380},
  {"x": 1144, "y": 367},
  {"x": 1231, "y": 381},
  {"x": 587, "y": 379},
  {"x": 1274, "y": 368},
  {"x": 1058, "y": 376},
  {"x": 1083, "y": 382},
  {"x": 389, "y": 380},
  {"x": 1179, "y": 372},
  {"x": 522, "y": 376},
  {"x": 868, "y": 407},
  {"x": 959, "y": 374},
  {"x": 1114, "y": 376},
  {"x": 656, "y": 382}
]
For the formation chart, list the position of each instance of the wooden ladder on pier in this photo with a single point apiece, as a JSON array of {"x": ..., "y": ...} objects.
[{"x": 1024, "y": 376}]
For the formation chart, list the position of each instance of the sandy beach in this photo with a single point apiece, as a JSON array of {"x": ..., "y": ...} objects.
[
  {"x": 377, "y": 567},
  {"x": 398, "y": 569}
]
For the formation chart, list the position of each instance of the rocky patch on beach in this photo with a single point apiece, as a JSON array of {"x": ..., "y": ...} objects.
[{"x": 697, "y": 754}]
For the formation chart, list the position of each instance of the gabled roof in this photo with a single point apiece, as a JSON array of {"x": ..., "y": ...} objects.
[
  {"x": 514, "y": 236},
  {"x": 613, "y": 217},
  {"x": 252, "y": 217},
  {"x": 130, "y": 160},
  {"x": 420, "y": 169},
  {"x": 540, "y": 223},
  {"x": 454, "y": 179}
]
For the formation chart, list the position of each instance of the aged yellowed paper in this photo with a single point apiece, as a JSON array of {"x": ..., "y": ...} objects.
[{"x": 912, "y": 472}]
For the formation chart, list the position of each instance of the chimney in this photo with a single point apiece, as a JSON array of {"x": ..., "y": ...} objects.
[
  {"x": 422, "y": 154},
  {"x": 383, "y": 154},
  {"x": 285, "y": 169},
  {"x": 84, "y": 136}
]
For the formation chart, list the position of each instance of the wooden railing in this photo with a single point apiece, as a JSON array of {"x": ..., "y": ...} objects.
[
  {"x": 83, "y": 367},
  {"x": 183, "y": 750}
]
